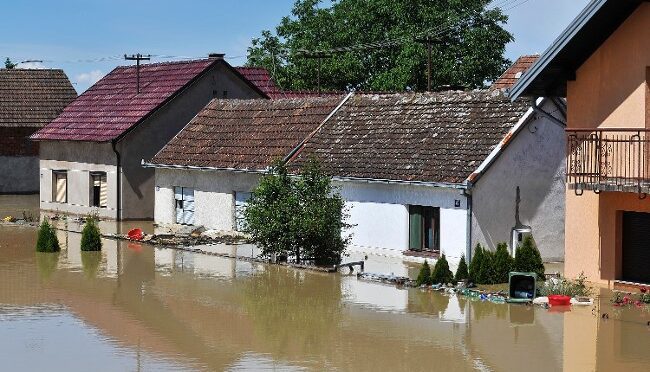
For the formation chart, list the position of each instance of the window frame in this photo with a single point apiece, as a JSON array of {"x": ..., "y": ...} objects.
[
  {"x": 92, "y": 175},
  {"x": 55, "y": 177},
  {"x": 419, "y": 217}
]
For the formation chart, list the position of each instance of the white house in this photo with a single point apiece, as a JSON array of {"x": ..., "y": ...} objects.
[{"x": 410, "y": 166}]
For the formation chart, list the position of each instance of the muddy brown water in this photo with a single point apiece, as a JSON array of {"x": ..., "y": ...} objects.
[{"x": 136, "y": 307}]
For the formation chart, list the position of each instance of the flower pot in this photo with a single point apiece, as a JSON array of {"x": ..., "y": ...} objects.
[{"x": 559, "y": 300}]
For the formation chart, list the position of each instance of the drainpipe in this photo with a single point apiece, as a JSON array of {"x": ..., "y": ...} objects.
[
  {"x": 468, "y": 249},
  {"x": 118, "y": 158}
]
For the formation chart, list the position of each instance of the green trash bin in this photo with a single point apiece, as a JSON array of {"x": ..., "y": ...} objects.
[{"x": 522, "y": 287}]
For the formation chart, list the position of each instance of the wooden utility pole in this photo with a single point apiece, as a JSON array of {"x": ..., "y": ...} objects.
[
  {"x": 137, "y": 58},
  {"x": 429, "y": 43}
]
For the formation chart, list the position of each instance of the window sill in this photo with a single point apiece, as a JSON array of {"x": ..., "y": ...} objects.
[{"x": 424, "y": 254}]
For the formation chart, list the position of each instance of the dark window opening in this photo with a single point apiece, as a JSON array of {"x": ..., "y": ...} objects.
[
  {"x": 98, "y": 190},
  {"x": 424, "y": 228},
  {"x": 225, "y": 94}
]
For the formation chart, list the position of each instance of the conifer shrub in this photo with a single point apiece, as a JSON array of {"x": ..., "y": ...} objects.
[
  {"x": 462, "y": 273},
  {"x": 47, "y": 240},
  {"x": 475, "y": 264},
  {"x": 91, "y": 239},
  {"x": 441, "y": 273},
  {"x": 486, "y": 274},
  {"x": 503, "y": 264},
  {"x": 424, "y": 277},
  {"x": 528, "y": 259}
]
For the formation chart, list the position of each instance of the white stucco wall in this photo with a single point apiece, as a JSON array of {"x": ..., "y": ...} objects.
[{"x": 379, "y": 211}]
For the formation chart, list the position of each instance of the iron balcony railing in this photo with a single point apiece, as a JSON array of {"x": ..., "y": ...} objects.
[{"x": 609, "y": 160}]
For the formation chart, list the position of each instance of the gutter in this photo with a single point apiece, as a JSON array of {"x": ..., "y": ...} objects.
[
  {"x": 205, "y": 169},
  {"x": 534, "y": 104}
]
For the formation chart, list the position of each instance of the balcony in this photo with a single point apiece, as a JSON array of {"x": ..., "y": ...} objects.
[{"x": 609, "y": 160}]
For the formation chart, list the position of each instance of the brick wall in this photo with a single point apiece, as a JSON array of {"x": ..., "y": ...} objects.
[{"x": 15, "y": 142}]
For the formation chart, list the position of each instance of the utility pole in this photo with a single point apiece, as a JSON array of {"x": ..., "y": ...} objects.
[
  {"x": 429, "y": 42},
  {"x": 137, "y": 58},
  {"x": 319, "y": 55}
]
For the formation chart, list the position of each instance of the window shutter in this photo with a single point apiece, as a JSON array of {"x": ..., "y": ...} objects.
[{"x": 103, "y": 192}]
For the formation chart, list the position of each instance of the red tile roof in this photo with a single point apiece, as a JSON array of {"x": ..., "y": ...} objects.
[
  {"x": 514, "y": 72},
  {"x": 32, "y": 98},
  {"x": 245, "y": 134},
  {"x": 112, "y": 106},
  {"x": 261, "y": 78}
]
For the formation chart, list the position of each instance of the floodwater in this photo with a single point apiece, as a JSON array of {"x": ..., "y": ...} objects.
[{"x": 135, "y": 307}]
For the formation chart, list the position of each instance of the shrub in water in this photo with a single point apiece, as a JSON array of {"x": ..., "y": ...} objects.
[
  {"x": 47, "y": 240},
  {"x": 424, "y": 277},
  {"x": 91, "y": 239},
  {"x": 502, "y": 264},
  {"x": 441, "y": 273},
  {"x": 528, "y": 259},
  {"x": 475, "y": 263},
  {"x": 462, "y": 273}
]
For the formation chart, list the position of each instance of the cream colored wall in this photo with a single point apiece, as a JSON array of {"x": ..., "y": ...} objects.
[
  {"x": 610, "y": 87},
  {"x": 610, "y": 91}
]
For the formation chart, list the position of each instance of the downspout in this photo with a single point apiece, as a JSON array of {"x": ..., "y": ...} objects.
[
  {"x": 468, "y": 196},
  {"x": 118, "y": 159}
]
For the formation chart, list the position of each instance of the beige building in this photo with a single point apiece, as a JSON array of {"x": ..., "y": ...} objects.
[{"x": 601, "y": 64}]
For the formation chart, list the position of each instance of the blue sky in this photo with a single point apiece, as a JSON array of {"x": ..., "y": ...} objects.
[{"x": 88, "y": 37}]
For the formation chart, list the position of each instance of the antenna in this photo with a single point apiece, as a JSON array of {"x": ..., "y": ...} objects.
[{"x": 137, "y": 58}]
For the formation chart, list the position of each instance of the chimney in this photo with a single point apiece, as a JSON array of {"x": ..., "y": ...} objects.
[{"x": 216, "y": 55}]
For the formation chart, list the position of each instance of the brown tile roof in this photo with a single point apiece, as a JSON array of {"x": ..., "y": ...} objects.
[
  {"x": 245, "y": 134},
  {"x": 32, "y": 98},
  {"x": 261, "y": 78},
  {"x": 514, "y": 72},
  {"x": 426, "y": 137},
  {"x": 112, "y": 106}
]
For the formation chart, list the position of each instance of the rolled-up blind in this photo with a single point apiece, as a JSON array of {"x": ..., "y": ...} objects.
[{"x": 61, "y": 187}]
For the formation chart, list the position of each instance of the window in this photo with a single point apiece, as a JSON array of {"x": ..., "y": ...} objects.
[
  {"x": 60, "y": 186},
  {"x": 241, "y": 200},
  {"x": 424, "y": 228},
  {"x": 225, "y": 94},
  {"x": 98, "y": 190},
  {"x": 184, "y": 202}
]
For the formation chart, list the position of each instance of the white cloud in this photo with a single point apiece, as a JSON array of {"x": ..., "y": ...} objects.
[
  {"x": 89, "y": 78},
  {"x": 31, "y": 65}
]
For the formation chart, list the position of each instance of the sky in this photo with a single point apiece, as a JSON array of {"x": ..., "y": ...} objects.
[{"x": 88, "y": 38}]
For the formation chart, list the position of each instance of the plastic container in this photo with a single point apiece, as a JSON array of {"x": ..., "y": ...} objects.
[
  {"x": 559, "y": 300},
  {"x": 522, "y": 287},
  {"x": 136, "y": 234}
]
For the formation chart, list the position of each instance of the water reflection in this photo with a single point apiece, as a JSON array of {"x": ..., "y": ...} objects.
[{"x": 139, "y": 307}]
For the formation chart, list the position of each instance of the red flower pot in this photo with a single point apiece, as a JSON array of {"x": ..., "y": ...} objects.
[
  {"x": 559, "y": 300},
  {"x": 136, "y": 234}
]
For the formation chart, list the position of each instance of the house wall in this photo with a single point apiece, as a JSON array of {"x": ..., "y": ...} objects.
[
  {"x": 610, "y": 90},
  {"x": 78, "y": 159},
  {"x": 142, "y": 143},
  {"x": 18, "y": 161},
  {"x": 379, "y": 211},
  {"x": 534, "y": 160}
]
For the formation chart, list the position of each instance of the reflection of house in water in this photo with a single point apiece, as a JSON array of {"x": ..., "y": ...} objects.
[{"x": 171, "y": 260}]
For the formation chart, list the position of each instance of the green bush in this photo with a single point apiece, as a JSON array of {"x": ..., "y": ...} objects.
[
  {"x": 441, "y": 273},
  {"x": 486, "y": 274},
  {"x": 47, "y": 240},
  {"x": 528, "y": 259},
  {"x": 462, "y": 272},
  {"x": 502, "y": 264},
  {"x": 475, "y": 264},
  {"x": 424, "y": 277},
  {"x": 91, "y": 239},
  {"x": 299, "y": 217}
]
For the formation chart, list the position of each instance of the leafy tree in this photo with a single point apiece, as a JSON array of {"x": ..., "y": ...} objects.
[
  {"x": 476, "y": 263},
  {"x": 300, "y": 217},
  {"x": 9, "y": 64},
  {"x": 469, "y": 44},
  {"x": 424, "y": 277},
  {"x": 47, "y": 240},
  {"x": 462, "y": 272},
  {"x": 91, "y": 239},
  {"x": 503, "y": 263},
  {"x": 528, "y": 259},
  {"x": 441, "y": 273}
]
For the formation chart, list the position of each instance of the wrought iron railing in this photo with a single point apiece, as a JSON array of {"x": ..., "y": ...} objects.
[{"x": 609, "y": 160}]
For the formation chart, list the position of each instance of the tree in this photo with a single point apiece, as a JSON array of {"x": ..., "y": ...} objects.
[
  {"x": 91, "y": 238},
  {"x": 475, "y": 264},
  {"x": 528, "y": 259},
  {"x": 47, "y": 240},
  {"x": 424, "y": 276},
  {"x": 9, "y": 64},
  {"x": 486, "y": 274},
  {"x": 462, "y": 272},
  {"x": 441, "y": 273},
  {"x": 468, "y": 48},
  {"x": 302, "y": 217},
  {"x": 503, "y": 263}
]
